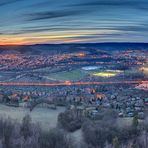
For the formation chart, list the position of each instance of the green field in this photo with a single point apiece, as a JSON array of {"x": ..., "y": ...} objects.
[
  {"x": 68, "y": 75},
  {"x": 79, "y": 74},
  {"x": 104, "y": 73}
]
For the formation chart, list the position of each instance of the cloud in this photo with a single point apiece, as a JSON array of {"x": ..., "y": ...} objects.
[
  {"x": 53, "y": 14},
  {"x": 54, "y": 29},
  {"x": 41, "y": 4},
  {"x": 143, "y": 4},
  {"x": 136, "y": 28},
  {"x": 6, "y": 2},
  {"x": 118, "y": 29},
  {"x": 96, "y": 36}
]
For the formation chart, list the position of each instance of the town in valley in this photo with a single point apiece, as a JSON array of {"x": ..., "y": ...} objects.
[{"x": 90, "y": 76}]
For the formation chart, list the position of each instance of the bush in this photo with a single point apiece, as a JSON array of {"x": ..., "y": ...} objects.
[
  {"x": 98, "y": 132},
  {"x": 55, "y": 138},
  {"x": 70, "y": 121},
  {"x": 26, "y": 127}
]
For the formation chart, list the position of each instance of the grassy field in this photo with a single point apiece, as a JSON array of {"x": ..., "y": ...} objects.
[
  {"x": 78, "y": 74},
  {"x": 47, "y": 118},
  {"x": 124, "y": 122},
  {"x": 104, "y": 73},
  {"x": 68, "y": 75}
]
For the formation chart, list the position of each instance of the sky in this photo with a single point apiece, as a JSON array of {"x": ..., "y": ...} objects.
[{"x": 71, "y": 21}]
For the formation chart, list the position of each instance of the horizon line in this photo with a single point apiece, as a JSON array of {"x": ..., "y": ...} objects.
[{"x": 74, "y": 43}]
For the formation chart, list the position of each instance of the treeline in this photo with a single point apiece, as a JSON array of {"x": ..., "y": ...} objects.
[
  {"x": 29, "y": 135},
  {"x": 106, "y": 131}
]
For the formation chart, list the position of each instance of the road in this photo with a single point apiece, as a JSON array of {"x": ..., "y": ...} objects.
[{"x": 69, "y": 83}]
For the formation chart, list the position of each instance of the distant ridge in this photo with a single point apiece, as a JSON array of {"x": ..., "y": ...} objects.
[{"x": 71, "y": 47}]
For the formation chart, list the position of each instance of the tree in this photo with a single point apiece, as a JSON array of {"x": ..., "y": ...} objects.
[
  {"x": 69, "y": 120},
  {"x": 55, "y": 138},
  {"x": 116, "y": 143},
  {"x": 26, "y": 126},
  {"x": 6, "y": 99},
  {"x": 6, "y": 130},
  {"x": 78, "y": 91},
  {"x": 135, "y": 123}
]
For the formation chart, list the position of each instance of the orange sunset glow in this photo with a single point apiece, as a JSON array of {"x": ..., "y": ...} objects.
[{"x": 41, "y": 39}]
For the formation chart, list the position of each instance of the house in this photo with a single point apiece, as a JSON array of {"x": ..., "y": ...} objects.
[
  {"x": 1, "y": 98},
  {"x": 146, "y": 101},
  {"x": 140, "y": 115}
]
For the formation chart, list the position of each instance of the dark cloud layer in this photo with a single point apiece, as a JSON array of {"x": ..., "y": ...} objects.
[
  {"x": 143, "y": 4},
  {"x": 6, "y": 2},
  {"x": 52, "y": 14},
  {"x": 41, "y": 4}
]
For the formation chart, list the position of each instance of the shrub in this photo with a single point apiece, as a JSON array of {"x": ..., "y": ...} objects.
[
  {"x": 98, "y": 132},
  {"x": 26, "y": 127},
  {"x": 69, "y": 120},
  {"x": 55, "y": 138}
]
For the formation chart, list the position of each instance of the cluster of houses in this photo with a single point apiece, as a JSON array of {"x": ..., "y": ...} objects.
[
  {"x": 128, "y": 106},
  {"x": 90, "y": 99}
]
